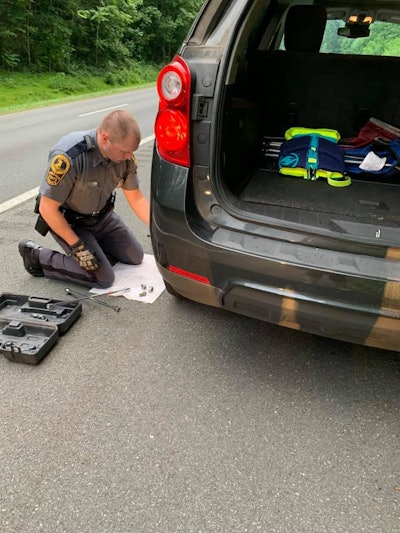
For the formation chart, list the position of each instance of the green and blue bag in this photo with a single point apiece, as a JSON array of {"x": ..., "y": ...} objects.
[{"x": 312, "y": 154}]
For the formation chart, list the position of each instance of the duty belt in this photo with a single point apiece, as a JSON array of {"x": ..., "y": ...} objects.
[{"x": 75, "y": 216}]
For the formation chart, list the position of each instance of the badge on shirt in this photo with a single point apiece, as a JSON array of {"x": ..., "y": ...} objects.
[{"x": 59, "y": 166}]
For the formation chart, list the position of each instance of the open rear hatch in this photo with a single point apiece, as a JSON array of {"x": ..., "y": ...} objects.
[{"x": 275, "y": 90}]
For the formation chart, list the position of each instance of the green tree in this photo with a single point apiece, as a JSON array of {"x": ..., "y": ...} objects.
[
  {"x": 50, "y": 41},
  {"x": 110, "y": 20},
  {"x": 62, "y": 35},
  {"x": 15, "y": 30},
  {"x": 166, "y": 23}
]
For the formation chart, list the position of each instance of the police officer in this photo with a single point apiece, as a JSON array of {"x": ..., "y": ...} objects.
[{"x": 76, "y": 199}]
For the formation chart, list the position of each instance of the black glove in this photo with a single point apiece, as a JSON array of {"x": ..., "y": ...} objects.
[{"x": 85, "y": 257}]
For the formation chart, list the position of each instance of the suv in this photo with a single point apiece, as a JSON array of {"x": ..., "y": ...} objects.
[{"x": 275, "y": 187}]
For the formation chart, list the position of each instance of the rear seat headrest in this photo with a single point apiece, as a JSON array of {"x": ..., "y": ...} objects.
[{"x": 304, "y": 28}]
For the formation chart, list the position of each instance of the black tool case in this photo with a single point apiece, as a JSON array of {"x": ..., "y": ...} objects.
[{"x": 31, "y": 325}]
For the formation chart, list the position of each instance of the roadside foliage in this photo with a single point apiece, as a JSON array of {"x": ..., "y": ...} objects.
[{"x": 66, "y": 35}]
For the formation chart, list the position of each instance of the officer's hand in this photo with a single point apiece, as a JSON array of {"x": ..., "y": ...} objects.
[{"x": 85, "y": 257}]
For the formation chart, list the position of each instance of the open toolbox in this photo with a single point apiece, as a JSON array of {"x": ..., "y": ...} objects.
[{"x": 31, "y": 325}]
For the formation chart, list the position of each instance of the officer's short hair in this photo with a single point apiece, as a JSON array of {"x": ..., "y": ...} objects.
[{"x": 119, "y": 124}]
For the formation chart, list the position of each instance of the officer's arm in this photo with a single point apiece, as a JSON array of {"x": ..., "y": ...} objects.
[
  {"x": 138, "y": 203},
  {"x": 49, "y": 209}
]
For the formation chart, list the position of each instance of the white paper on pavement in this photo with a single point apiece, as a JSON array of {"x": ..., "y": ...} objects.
[{"x": 144, "y": 281}]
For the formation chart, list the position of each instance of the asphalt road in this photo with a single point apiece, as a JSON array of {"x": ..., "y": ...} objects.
[{"x": 175, "y": 417}]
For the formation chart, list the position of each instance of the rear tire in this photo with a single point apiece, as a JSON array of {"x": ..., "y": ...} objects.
[{"x": 171, "y": 290}]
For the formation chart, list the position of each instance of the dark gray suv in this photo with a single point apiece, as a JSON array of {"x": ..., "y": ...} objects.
[{"x": 275, "y": 189}]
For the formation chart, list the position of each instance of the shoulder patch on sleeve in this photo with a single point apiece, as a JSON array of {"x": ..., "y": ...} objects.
[{"x": 59, "y": 167}]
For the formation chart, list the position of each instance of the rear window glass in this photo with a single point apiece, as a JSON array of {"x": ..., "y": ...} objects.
[{"x": 383, "y": 40}]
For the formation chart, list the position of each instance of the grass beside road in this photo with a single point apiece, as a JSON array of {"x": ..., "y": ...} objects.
[{"x": 22, "y": 91}]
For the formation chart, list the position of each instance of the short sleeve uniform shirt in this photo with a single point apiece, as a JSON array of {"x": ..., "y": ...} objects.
[{"x": 81, "y": 179}]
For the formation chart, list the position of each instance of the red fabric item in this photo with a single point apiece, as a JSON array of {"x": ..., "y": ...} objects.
[{"x": 372, "y": 129}]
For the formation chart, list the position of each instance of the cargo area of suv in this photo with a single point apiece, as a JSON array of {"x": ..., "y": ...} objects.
[
  {"x": 286, "y": 73},
  {"x": 276, "y": 169}
]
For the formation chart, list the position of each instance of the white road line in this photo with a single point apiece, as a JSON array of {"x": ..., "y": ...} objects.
[
  {"x": 147, "y": 140},
  {"x": 9, "y": 204},
  {"x": 5, "y": 206},
  {"x": 101, "y": 110}
]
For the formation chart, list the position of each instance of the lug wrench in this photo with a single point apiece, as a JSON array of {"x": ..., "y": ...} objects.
[
  {"x": 93, "y": 299},
  {"x": 83, "y": 296}
]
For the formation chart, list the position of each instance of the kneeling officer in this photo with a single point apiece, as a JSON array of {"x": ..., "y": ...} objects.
[{"x": 76, "y": 203}]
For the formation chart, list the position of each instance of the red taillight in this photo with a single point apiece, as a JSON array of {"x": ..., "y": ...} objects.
[
  {"x": 171, "y": 130},
  {"x": 172, "y": 122}
]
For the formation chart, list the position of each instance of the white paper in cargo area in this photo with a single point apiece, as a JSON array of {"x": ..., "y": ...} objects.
[{"x": 136, "y": 277}]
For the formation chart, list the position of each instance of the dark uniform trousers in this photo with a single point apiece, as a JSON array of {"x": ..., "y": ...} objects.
[{"x": 109, "y": 238}]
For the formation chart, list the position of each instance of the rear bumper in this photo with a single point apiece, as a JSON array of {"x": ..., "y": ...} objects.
[
  {"x": 342, "y": 307},
  {"x": 270, "y": 304}
]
